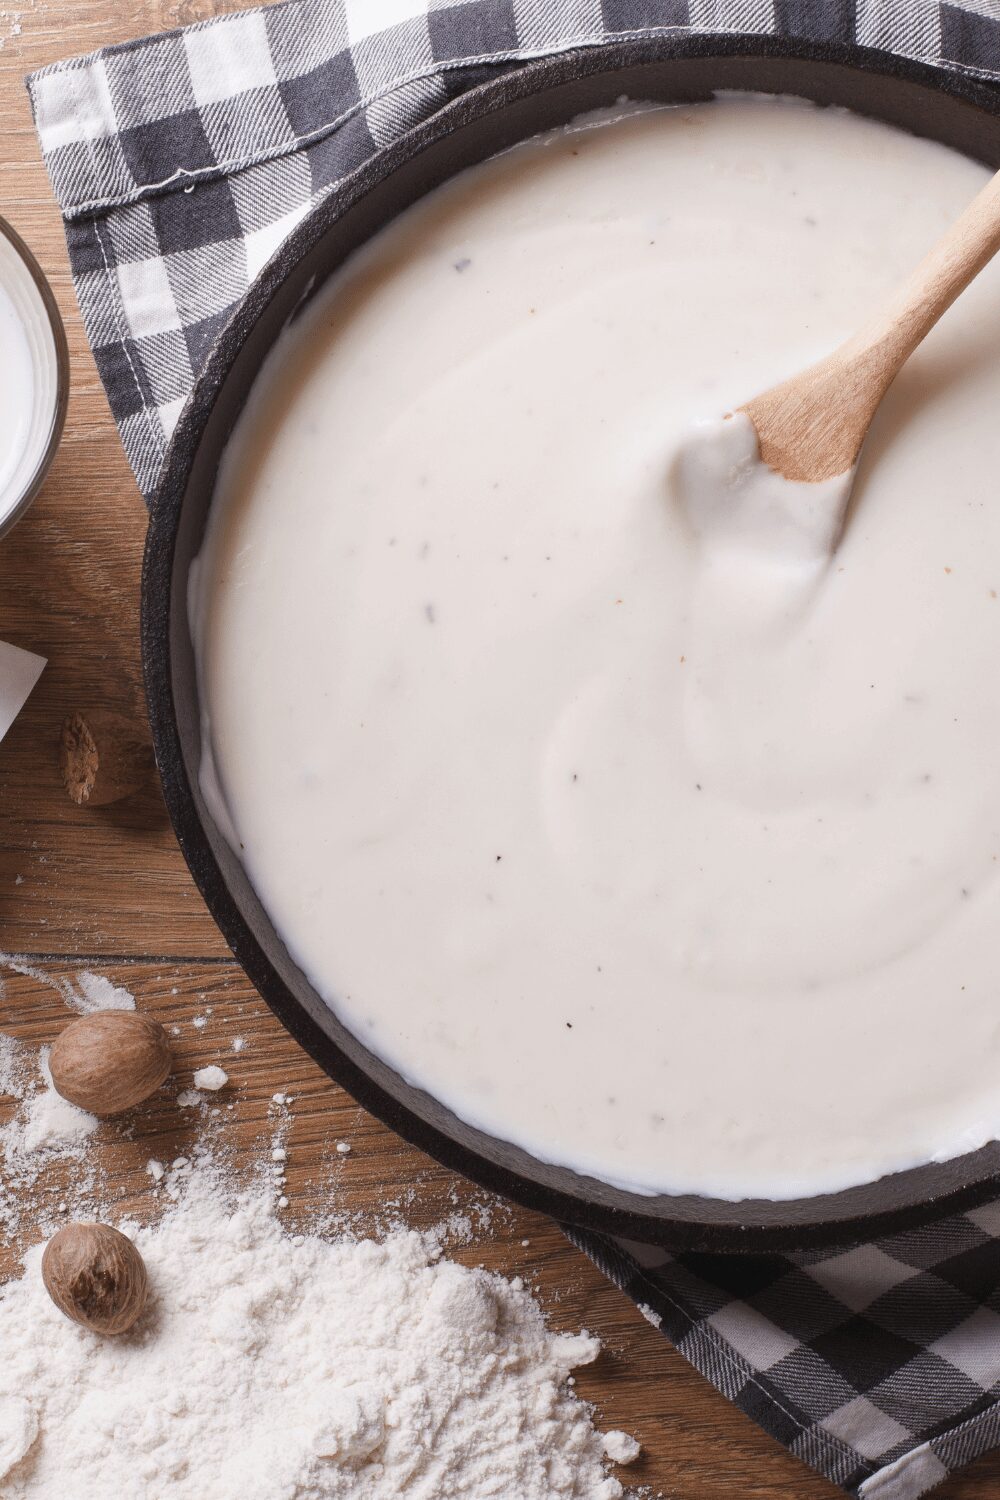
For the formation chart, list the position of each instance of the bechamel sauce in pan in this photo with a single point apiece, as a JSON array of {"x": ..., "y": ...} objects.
[{"x": 666, "y": 852}]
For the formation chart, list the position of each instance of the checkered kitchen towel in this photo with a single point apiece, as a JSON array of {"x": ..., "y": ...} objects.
[
  {"x": 878, "y": 1365},
  {"x": 180, "y": 163}
]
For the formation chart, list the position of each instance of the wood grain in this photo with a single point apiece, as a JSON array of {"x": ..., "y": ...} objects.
[{"x": 106, "y": 889}]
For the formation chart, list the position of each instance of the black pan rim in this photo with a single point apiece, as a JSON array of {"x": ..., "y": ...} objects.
[{"x": 905, "y": 1199}]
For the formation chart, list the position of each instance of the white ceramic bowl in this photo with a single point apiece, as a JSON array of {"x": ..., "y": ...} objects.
[{"x": 24, "y": 284}]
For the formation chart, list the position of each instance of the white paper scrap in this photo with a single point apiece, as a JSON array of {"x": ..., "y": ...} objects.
[{"x": 19, "y": 671}]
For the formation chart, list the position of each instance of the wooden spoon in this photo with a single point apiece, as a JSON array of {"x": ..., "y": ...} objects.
[{"x": 812, "y": 426}]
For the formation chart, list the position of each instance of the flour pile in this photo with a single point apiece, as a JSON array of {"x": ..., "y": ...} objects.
[{"x": 269, "y": 1367}]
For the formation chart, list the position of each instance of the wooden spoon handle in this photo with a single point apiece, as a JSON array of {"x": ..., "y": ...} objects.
[
  {"x": 889, "y": 339},
  {"x": 812, "y": 426}
]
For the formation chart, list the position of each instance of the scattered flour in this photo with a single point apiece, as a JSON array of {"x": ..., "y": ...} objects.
[
  {"x": 620, "y": 1447},
  {"x": 96, "y": 992},
  {"x": 47, "y": 1169},
  {"x": 212, "y": 1078},
  {"x": 85, "y": 992},
  {"x": 14, "y": 1066},
  {"x": 44, "y": 1138},
  {"x": 271, "y": 1367},
  {"x": 10, "y": 26},
  {"x": 49, "y": 1120}
]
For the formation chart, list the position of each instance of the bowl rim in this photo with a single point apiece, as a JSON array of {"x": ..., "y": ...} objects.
[
  {"x": 908, "y": 1198},
  {"x": 58, "y": 416}
]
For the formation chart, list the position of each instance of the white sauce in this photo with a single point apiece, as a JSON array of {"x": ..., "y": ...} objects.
[
  {"x": 17, "y": 390},
  {"x": 670, "y": 860},
  {"x": 736, "y": 504}
]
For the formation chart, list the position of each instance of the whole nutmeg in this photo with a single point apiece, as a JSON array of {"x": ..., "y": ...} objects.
[
  {"x": 105, "y": 756},
  {"x": 110, "y": 1060},
  {"x": 96, "y": 1277}
]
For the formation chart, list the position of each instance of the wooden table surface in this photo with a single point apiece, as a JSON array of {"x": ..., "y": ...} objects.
[{"x": 107, "y": 890}]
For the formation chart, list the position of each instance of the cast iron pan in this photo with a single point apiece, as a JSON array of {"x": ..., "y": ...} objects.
[{"x": 500, "y": 112}]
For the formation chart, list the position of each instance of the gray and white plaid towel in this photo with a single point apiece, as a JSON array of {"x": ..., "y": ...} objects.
[{"x": 180, "y": 163}]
